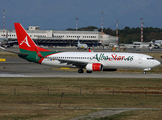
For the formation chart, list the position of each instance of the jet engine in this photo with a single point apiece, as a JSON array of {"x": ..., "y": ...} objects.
[{"x": 94, "y": 67}]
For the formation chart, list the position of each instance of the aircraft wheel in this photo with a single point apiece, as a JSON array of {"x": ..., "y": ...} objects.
[
  {"x": 80, "y": 71},
  {"x": 89, "y": 71},
  {"x": 144, "y": 72}
]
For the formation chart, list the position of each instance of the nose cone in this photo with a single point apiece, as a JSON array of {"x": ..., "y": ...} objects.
[{"x": 157, "y": 63}]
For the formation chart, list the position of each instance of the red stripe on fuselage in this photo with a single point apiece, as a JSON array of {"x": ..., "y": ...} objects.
[
  {"x": 40, "y": 61},
  {"x": 52, "y": 54}
]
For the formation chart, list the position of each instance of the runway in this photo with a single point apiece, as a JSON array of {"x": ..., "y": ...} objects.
[{"x": 17, "y": 67}]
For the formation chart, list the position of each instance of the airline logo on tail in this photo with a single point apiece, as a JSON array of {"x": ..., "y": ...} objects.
[{"x": 25, "y": 41}]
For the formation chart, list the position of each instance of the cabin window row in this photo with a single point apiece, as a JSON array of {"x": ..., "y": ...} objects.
[
  {"x": 89, "y": 36},
  {"x": 77, "y": 36},
  {"x": 82, "y": 58},
  {"x": 39, "y": 36},
  {"x": 55, "y": 36},
  {"x": 69, "y": 57},
  {"x": 58, "y": 36},
  {"x": 73, "y": 36},
  {"x": 9, "y": 35}
]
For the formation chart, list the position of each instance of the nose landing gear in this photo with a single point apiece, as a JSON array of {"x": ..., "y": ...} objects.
[
  {"x": 147, "y": 69},
  {"x": 144, "y": 72}
]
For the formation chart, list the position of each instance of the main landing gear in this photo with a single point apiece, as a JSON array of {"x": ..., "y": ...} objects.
[
  {"x": 89, "y": 71},
  {"x": 80, "y": 70},
  {"x": 144, "y": 72}
]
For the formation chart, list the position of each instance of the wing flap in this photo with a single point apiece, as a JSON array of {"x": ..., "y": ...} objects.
[{"x": 78, "y": 64}]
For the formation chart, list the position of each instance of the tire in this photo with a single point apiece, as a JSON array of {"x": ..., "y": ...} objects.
[
  {"x": 89, "y": 71},
  {"x": 144, "y": 72},
  {"x": 80, "y": 71}
]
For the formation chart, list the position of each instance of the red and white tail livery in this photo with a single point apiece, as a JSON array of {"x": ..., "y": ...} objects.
[{"x": 24, "y": 41}]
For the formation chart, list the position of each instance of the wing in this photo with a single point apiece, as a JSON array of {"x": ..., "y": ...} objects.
[{"x": 78, "y": 64}]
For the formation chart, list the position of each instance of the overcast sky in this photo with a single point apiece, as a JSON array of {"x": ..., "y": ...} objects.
[{"x": 62, "y": 14}]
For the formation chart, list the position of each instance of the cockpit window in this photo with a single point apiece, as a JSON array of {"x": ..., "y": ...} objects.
[{"x": 150, "y": 58}]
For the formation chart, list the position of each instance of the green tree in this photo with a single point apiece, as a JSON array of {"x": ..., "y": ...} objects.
[{"x": 129, "y": 35}]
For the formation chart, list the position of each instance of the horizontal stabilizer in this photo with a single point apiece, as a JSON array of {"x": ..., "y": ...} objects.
[
  {"x": 2, "y": 48},
  {"x": 23, "y": 54},
  {"x": 18, "y": 53}
]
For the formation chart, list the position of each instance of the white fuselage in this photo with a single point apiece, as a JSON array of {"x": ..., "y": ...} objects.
[{"x": 109, "y": 60}]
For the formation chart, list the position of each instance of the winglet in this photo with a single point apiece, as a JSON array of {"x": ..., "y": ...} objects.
[{"x": 89, "y": 50}]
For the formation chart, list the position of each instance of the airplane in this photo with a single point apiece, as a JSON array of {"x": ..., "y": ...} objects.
[
  {"x": 158, "y": 43},
  {"x": 3, "y": 41},
  {"x": 91, "y": 61},
  {"x": 81, "y": 46}
]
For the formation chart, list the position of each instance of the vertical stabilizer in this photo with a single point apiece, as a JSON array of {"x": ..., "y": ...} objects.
[{"x": 24, "y": 40}]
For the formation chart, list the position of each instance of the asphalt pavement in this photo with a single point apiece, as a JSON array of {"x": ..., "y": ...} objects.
[{"x": 17, "y": 67}]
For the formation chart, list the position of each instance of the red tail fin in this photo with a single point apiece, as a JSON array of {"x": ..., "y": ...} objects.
[
  {"x": 24, "y": 41},
  {"x": 89, "y": 50}
]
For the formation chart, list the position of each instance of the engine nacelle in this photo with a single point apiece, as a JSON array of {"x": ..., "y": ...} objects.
[{"x": 94, "y": 67}]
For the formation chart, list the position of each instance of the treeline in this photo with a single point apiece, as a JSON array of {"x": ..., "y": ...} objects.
[
  {"x": 89, "y": 28},
  {"x": 129, "y": 35}
]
